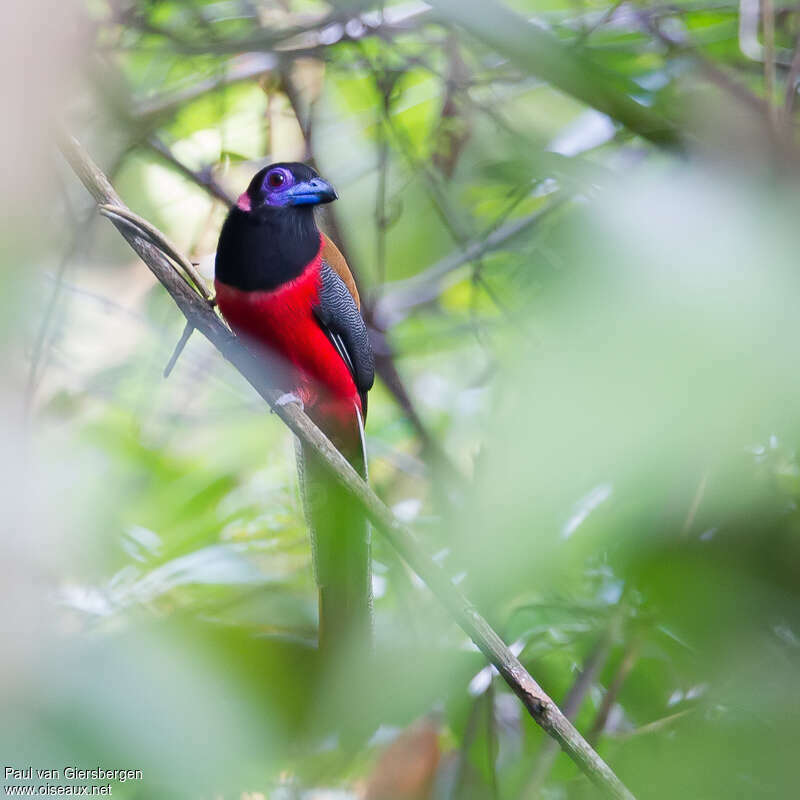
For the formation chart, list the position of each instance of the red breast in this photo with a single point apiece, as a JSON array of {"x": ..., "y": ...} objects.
[{"x": 282, "y": 321}]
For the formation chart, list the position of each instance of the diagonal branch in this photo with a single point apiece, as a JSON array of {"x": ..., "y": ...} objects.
[
  {"x": 301, "y": 39},
  {"x": 594, "y": 664},
  {"x": 201, "y": 316},
  {"x": 124, "y": 216},
  {"x": 401, "y": 297},
  {"x": 629, "y": 658},
  {"x": 204, "y": 177}
]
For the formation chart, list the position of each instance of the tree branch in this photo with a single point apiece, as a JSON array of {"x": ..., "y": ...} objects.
[
  {"x": 538, "y": 52},
  {"x": 624, "y": 669},
  {"x": 202, "y": 317},
  {"x": 571, "y": 705},
  {"x": 400, "y": 298},
  {"x": 204, "y": 177},
  {"x": 301, "y": 39},
  {"x": 150, "y": 111}
]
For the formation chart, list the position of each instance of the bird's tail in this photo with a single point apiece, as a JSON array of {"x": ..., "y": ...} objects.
[{"x": 340, "y": 539}]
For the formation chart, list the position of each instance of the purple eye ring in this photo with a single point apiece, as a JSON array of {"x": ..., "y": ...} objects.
[{"x": 275, "y": 179}]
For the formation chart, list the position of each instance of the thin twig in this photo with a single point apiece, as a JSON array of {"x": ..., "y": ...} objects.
[
  {"x": 381, "y": 219},
  {"x": 540, "y": 53},
  {"x": 187, "y": 332},
  {"x": 298, "y": 39},
  {"x": 587, "y": 677},
  {"x": 151, "y": 111},
  {"x": 467, "y": 740},
  {"x": 197, "y": 312},
  {"x": 588, "y": 29},
  {"x": 204, "y": 178},
  {"x": 791, "y": 84},
  {"x": 491, "y": 741},
  {"x": 423, "y": 288},
  {"x": 768, "y": 24},
  {"x": 656, "y": 725},
  {"x": 125, "y": 216},
  {"x": 439, "y": 199},
  {"x": 624, "y": 669},
  {"x": 679, "y": 43},
  {"x": 49, "y": 312},
  {"x": 695, "y": 505}
]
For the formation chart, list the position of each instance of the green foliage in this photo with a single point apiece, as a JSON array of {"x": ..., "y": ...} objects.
[{"x": 613, "y": 385}]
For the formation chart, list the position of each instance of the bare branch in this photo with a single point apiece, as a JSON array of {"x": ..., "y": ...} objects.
[
  {"x": 124, "y": 216},
  {"x": 242, "y": 69},
  {"x": 586, "y": 678},
  {"x": 656, "y": 725},
  {"x": 303, "y": 39},
  {"x": 204, "y": 177},
  {"x": 540, "y": 53},
  {"x": 400, "y": 298},
  {"x": 768, "y": 23},
  {"x": 791, "y": 84},
  {"x": 41, "y": 341},
  {"x": 624, "y": 669},
  {"x": 176, "y": 353}
]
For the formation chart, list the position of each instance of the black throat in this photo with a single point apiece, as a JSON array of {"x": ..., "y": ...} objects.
[{"x": 265, "y": 248}]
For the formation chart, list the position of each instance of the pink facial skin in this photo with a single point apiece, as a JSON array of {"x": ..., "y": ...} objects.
[{"x": 244, "y": 202}]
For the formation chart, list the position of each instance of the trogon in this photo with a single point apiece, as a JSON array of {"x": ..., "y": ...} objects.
[{"x": 285, "y": 288}]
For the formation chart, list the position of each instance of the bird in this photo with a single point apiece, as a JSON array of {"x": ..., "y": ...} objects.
[{"x": 286, "y": 290}]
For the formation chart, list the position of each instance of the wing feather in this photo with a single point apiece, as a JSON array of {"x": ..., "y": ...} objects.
[
  {"x": 340, "y": 319},
  {"x": 333, "y": 256}
]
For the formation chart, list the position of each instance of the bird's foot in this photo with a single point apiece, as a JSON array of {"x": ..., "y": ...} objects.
[{"x": 289, "y": 397}]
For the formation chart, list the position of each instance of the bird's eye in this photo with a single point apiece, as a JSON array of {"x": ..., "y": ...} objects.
[{"x": 276, "y": 179}]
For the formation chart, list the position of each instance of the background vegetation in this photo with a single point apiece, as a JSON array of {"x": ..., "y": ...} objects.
[{"x": 575, "y": 229}]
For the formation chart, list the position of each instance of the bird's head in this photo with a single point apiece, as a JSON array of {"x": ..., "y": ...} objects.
[{"x": 286, "y": 184}]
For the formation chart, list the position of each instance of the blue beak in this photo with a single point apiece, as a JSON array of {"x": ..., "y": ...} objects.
[{"x": 311, "y": 193}]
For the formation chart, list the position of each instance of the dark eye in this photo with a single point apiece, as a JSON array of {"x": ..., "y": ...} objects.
[{"x": 276, "y": 179}]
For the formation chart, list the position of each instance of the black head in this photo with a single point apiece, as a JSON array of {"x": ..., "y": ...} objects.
[
  {"x": 286, "y": 184},
  {"x": 270, "y": 235}
]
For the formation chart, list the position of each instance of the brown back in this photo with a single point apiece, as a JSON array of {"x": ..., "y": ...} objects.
[{"x": 332, "y": 254}]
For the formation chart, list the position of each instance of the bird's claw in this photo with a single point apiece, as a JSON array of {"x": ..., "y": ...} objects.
[{"x": 289, "y": 397}]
